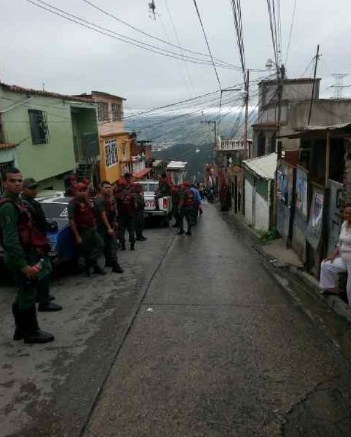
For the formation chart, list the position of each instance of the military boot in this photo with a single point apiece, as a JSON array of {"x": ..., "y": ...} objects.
[
  {"x": 132, "y": 246},
  {"x": 18, "y": 335},
  {"x": 116, "y": 268},
  {"x": 97, "y": 269},
  {"x": 123, "y": 246},
  {"x": 43, "y": 288},
  {"x": 30, "y": 328}
]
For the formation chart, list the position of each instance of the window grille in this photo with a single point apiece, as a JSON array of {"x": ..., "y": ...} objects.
[
  {"x": 111, "y": 156},
  {"x": 117, "y": 112},
  {"x": 102, "y": 111},
  {"x": 38, "y": 126}
]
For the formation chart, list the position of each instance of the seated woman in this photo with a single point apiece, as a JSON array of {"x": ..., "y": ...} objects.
[{"x": 339, "y": 261}]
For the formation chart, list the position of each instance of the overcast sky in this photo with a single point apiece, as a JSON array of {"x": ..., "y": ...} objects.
[{"x": 37, "y": 47}]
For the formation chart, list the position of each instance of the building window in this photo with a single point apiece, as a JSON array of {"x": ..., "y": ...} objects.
[
  {"x": 38, "y": 126},
  {"x": 117, "y": 112},
  {"x": 4, "y": 167},
  {"x": 102, "y": 111},
  {"x": 111, "y": 157}
]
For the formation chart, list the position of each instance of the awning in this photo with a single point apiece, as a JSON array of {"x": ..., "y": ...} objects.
[
  {"x": 309, "y": 131},
  {"x": 142, "y": 173},
  {"x": 7, "y": 145},
  {"x": 263, "y": 166}
]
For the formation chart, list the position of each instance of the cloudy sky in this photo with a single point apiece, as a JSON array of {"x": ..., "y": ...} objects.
[{"x": 37, "y": 47}]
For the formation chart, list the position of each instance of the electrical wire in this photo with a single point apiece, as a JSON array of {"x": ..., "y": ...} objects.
[
  {"x": 236, "y": 8},
  {"x": 179, "y": 45},
  {"x": 275, "y": 27},
  {"x": 148, "y": 34},
  {"x": 290, "y": 31},
  {"x": 207, "y": 43},
  {"x": 111, "y": 34}
]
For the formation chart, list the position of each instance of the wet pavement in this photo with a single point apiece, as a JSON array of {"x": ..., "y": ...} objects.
[{"x": 197, "y": 339}]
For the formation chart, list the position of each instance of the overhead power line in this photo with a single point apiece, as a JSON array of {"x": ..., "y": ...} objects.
[
  {"x": 112, "y": 34},
  {"x": 275, "y": 26},
  {"x": 109, "y": 14},
  {"x": 207, "y": 43},
  {"x": 291, "y": 31},
  {"x": 236, "y": 7}
]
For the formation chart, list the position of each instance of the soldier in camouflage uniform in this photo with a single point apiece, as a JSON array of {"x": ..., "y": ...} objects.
[
  {"x": 23, "y": 250},
  {"x": 30, "y": 191},
  {"x": 82, "y": 222},
  {"x": 106, "y": 221},
  {"x": 186, "y": 208},
  {"x": 126, "y": 207},
  {"x": 139, "y": 214}
]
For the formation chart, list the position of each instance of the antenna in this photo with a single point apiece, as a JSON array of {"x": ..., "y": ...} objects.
[{"x": 339, "y": 85}]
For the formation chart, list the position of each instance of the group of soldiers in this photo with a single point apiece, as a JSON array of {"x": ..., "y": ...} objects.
[
  {"x": 186, "y": 204},
  {"x": 97, "y": 220}
]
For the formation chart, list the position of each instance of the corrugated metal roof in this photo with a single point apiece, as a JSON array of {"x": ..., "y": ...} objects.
[
  {"x": 325, "y": 128},
  {"x": 19, "y": 89},
  {"x": 338, "y": 128},
  {"x": 176, "y": 165},
  {"x": 7, "y": 145},
  {"x": 264, "y": 166}
]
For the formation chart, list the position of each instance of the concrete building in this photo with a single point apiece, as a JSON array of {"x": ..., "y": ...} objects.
[
  {"x": 47, "y": 135},
  {"x": 115, "y": 142},
  {"x": 295, "y": 108},
  {"x": 259, "y": 181},
  {"x": 265, "y": 129}
]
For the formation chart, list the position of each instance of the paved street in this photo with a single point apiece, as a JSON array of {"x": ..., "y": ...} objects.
[{"x": 196, "y": 339}]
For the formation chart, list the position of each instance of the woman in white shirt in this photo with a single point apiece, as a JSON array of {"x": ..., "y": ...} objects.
[{"x": 339, "y": 261}]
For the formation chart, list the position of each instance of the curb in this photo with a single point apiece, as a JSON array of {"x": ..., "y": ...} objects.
[{"x": 292, "y": 274}]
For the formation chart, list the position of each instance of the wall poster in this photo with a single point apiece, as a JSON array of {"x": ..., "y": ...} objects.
[
  {"x": 314, "y": 228},
  {"x": 301, "y": 192}
]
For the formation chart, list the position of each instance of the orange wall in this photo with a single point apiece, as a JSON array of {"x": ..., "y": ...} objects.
[{"x": 113, "y": 172}]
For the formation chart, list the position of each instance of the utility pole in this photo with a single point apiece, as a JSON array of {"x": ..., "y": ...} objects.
[
  {"x": 313, "y": 85},
  {"x": 280, "y": 78},
  {"x": 214, "y": 128},
  {"x": 247, "y": 97},
  {"x": 280, "y": 84}
]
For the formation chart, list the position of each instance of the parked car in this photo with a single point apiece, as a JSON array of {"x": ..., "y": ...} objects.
[
  {"x": 63, "y": 247},
  {"x": 163, "y": 212}
]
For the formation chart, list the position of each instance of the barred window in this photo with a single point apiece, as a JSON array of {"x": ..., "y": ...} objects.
[
  {"x": 102, "y": 111},
  {"x": 111, "y": 156},
  {"x": 38, "y": 126},
  {"x": 117, "y": 112}
]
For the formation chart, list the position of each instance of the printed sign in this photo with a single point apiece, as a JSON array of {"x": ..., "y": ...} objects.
[
  {"x": 301, "y": 192},
  {"x": 314, "y": 228}
]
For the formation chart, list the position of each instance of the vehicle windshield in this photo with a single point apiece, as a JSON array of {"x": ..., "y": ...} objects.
[{"x": 55, "y": 210}]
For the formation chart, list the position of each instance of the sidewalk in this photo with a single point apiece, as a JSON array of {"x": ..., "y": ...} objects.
[{"x": 278, "y": 259}]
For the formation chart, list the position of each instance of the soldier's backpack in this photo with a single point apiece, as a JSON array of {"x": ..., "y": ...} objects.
[{"x": 29, "y": 236}]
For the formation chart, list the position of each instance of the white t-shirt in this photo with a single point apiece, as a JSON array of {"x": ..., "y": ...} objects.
[{"x": 345, "y": 242}]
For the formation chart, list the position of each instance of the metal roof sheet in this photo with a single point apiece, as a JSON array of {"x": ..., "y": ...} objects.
[
  {"x": 264, "y": 166},
  {"x": 176, "y": 165}
]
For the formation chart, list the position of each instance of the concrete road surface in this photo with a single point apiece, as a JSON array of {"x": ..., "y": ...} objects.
[{"x": 195, "y": 340}]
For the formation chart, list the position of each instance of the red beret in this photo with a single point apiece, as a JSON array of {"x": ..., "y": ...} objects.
[{"x": 80, "y": 187}]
